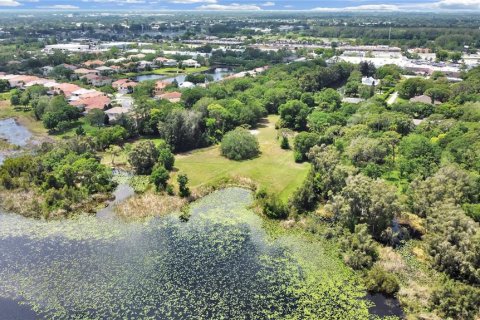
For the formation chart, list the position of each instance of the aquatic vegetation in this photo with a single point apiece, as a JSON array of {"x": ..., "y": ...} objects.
[{"x": 219, "y": 264}]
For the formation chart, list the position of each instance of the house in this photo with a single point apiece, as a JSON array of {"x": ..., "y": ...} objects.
[
  {"x": 83, "y": 72},
  {"x": 93, "y": 63},
  {"x": 103, "y": 70},
  {"x": 115, "y": 113},
  {"x": 119, "y": 60},
  {"x": 67, "y": 47},
  {"x": 160, "y": 87},
  {"x": 187, "y": 85},
  {"x": 137, "y": 56},
  {"x": 124, "y": 101},
  {"x": 165, "y": 62},
  {"x": 66, "y": 88},
  {"x": 78, "y": 94},
  {"x": 69, "y": 66},
  {"x": 18, "y": 81},
  {"x": 40, "y": 81},
  {"x": 116, "y": 68},
  {"x": 144, "y": 64},
  {"x": 424, "y": 99},
  {"x": 171, "y": 96},
  {"x": 50, "y": 85},
  {"x": 99, "y": 102},
  {"x": 124, "y": 86},
  {"x": 370, "y": 81},
  {"x": 190, "y": 63},
  {"x": 92, "y": 94},
  {"x": 97, "y": 81}
]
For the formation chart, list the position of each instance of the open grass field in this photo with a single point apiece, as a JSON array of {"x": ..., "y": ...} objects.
[{"x": 274, "y": 169}]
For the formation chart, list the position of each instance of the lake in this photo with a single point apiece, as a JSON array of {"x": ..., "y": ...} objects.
[
  {"x": 13, "y": 133},
  {"x": 225, "y": 262},
  {"x": 217, "y": 74}
]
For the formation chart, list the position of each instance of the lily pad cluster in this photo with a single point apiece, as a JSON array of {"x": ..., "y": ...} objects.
[{"x": 221, "y": 264}]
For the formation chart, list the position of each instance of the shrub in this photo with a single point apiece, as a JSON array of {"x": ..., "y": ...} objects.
[
  {"x": 166, "y": 158},
  {"x": 457, "y": 300},
  {"x": 159, "y": 177},
  {"x": 239, "y": 144},
  {"x": 272, "y": 206},
  {"x": 285, "y": 145},
  {"x": 302, "y": 144},
  {"x": 360, "y": 249},
  {"x": 182, "y": 180},
  {"x": 380, "y": 281}
]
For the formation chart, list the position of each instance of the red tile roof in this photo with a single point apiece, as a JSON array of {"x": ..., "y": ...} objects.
[
  {"x": 98, "y": 102},
  {"x": 84, "y": 71},
  {"x": 66, "y": 88},
  {"x": 171, "y": 95}
]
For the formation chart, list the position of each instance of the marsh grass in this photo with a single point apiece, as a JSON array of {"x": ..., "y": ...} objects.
[
  {"x": 23, "y": 202},
  {"x": 149, "y": 204}
]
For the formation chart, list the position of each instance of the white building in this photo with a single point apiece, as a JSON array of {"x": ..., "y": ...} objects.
[
  {"x": 66, "y": 47},
  {"x": 187, "y": 85},
  {"x": 191, "y": 63}
]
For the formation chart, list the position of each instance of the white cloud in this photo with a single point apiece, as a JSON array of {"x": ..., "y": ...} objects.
[
  {"x": 458, "y": 4},
  {"x": 374, "y": 7},
  {"x": 441, "y": 5},
  {"x": 9, "y": 3},
  {"x": 60, "y": 7},
  {"x": 230, "y": 7},
  {"x": 120, "y": 2},
  {"x": 192, "y": 1},
  {"x": 268, "y": 4},
  {"x": 366, "y": 7}
]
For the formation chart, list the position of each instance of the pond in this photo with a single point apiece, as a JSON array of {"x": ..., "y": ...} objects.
[
  {"x": 225, "y": 262},
  {"x": 217, "y": 75},
  {"x": 14, "y": 134}
]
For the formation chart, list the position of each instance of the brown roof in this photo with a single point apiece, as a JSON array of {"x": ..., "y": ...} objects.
[
  {"x": 90, "y": 63},
  {"x": 91, "y": 76},
  {"x": 161, "y": 84},
  {"x": 123, "y": 82},
  {"x": 98, "y": 102},
  {"x": 67, "y": 88},
  {"x": 171, "y": 95},
  {"x": 119, "y": 82},
  {"x": 24, "y": 79},
  {"x": 84, "y": 71},
  {"x": 91, "y": 95}
]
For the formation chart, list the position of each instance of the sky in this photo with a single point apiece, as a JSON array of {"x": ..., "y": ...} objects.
[{"x": 248, "y": 5}]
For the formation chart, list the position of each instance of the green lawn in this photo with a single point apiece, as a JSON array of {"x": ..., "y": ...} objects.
[
  {"x": 174, "y": 70},
  {"x": 167, "y": 71},
  {"x": 274, "y": 169}
]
